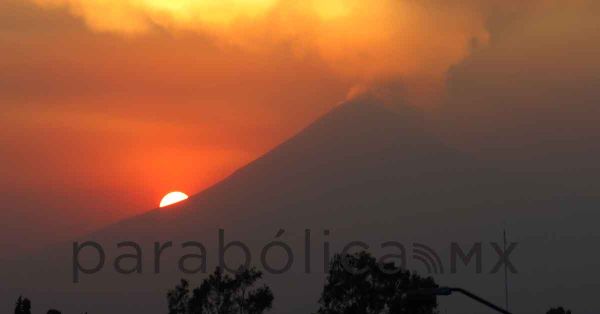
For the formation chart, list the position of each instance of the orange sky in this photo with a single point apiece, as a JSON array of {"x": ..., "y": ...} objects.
[
  {"x": 97, "y": 127},
  {"x": 133, "y": 99},
  {"x": 107, "y": 105}
]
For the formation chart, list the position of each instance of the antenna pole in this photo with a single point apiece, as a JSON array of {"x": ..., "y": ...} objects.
[{"x": 505, "y": 274}]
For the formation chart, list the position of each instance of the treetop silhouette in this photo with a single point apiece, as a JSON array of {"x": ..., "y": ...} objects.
[
  {"x": 359, "y": 284},
  {"x": 222, "y": 294}
]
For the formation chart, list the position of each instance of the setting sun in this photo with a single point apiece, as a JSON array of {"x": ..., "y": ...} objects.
[{"x": 172, "y": 198}]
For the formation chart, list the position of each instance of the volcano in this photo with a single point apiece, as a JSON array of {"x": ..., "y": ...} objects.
[{"x": 361, "y": 173}]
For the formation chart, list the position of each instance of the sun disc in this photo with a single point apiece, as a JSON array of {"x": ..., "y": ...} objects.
[{"x": 172, "y": 198}]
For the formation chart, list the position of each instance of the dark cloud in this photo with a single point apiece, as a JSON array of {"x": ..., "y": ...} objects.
[{"x": 535, "y": 90}]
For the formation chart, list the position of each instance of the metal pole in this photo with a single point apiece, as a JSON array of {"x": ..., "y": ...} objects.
[
  {"x": 448, "y": 291},
  {"x": 480, "y": 300},
  {"x": 505, "y": 275}
]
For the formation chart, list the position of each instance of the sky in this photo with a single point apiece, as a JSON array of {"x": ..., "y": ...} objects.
[{"x": 108, "y": 105}]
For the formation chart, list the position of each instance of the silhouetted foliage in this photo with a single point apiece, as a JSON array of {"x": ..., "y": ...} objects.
[
  {"x": 178, "y": 298},
  {"x": 359, "y": 284},
  {"x": 558, "y": 310},
  {"x": 23, "y": 306},
  {"x": 53, "y": 312},
  {"x": 19, "y": 305},
  {"x": 222, "y": 294}
]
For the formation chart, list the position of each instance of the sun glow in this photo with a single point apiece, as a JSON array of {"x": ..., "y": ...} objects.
[{"x": 172, "y": 198}]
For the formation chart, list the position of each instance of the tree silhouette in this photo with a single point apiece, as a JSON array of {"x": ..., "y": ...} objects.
[
  {"x": 558, "y": 310},
  {"x": 23, "y": 306},
  {"x": 359, "y": 284},
  {"x": 222, "y": 294},
  {"x": 178, "y": 298},
  {"x": 19, "y": 305}
]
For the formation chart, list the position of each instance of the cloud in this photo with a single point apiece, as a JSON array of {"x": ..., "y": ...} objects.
[
  {"x": 364, "y": 40},
  {"x": 533, "y": 92}
]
